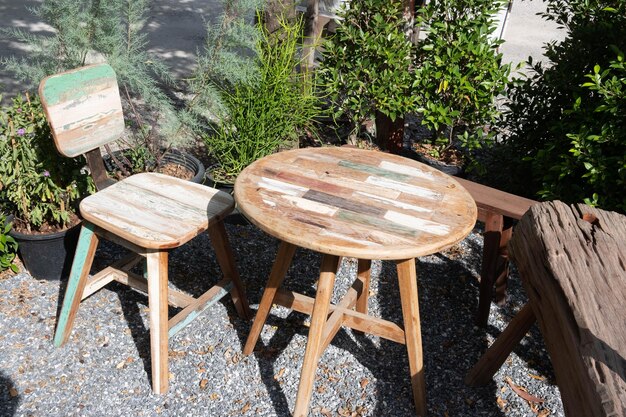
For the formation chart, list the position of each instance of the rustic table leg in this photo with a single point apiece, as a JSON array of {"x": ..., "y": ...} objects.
[
  {"x": 83, "y": 258},
  {"x": 279, "y": 270},
  {"x": 315, "y": 339},
  {"x": 407, "y": 278},
  {"x": 494, "y": 357},
  {"x": 224, "y": 255},
  {"x": 157, "y": 301},
  {"x": 364, "y": 270}
]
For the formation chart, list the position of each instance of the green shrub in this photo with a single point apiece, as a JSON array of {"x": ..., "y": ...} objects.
[
  {"x": 594, "y": 168},
  {"x": 563, "y": 141},
  {"x": 458, "y": 73},
  {"x": 367, "y": 63},
  {"x": 264, "y": 113},
  {"x": 37, "y": 185},
  {"x": 8, "y": 246}
]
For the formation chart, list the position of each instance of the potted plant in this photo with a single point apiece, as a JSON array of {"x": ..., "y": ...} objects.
[
  {"x": 8, "y": 245},
  {"x": 367, "y": 69},
  {"x": 40, "y": 188},
  {"x": 260, "y": 114},
  {"x": 458, "y": 77}
]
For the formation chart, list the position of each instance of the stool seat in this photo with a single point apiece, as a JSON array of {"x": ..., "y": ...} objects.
[{"x": 156, "y": 211}]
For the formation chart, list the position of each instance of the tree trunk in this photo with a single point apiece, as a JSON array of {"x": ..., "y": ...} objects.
[
  {"x": 274, "y": 9},
  {"x": 312, "y": 32},
  {"x": 389, "y": 134}
]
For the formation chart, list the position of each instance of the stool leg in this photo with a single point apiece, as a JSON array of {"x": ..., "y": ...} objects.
[
  {"x": 279, "y": 270},
  {"x": 157, "y": 300},
  {"x": 224, "y": 255},
  {"x": 83, "y": 258},
  {"x": 364, "y": 270},
  {"x": 407, "y": 279},
  {"x": 315, "y": 341}
]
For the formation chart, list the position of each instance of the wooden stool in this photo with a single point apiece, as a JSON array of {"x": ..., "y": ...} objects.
[
  {"x": 355, "y": 203},
  {"x": 149, "y": 214}
]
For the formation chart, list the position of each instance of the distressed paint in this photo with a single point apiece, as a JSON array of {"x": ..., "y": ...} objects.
[
  {"x": 403, "y": 187},
  {"x": 281, "y": 187},
  {"x": 80, "y": 256},
  {"x": 381, "y": 224},
  {"x": 309, "y": 205},
  {"x": 199, "y": 310},
  {"x": 83, "y": 108},
  {"x": 355, "y": 203},
  {"x": 406, "y": 170},
  {"x": 394, "y": 203},
  {"x": 374, "y": 171},
  {"x": 342, "y": 203},
  {"x": 73, "y": 85},
  {"x": 416, "y": 223}
]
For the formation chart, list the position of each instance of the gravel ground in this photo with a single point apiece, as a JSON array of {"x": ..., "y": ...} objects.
[{"x": 104, "y": 368}]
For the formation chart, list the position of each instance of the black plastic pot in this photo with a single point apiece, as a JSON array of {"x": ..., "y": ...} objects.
[
  {"x": 173, "y": 156},
  {"x": 188, "y": 161},
  {"x": 48, "y": 256},
  {"x": 210, "y": 181}
]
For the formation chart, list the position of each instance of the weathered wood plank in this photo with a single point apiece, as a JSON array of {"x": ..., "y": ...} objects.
[
  {"x": 575, "y": 275},
  {"x": 349, "y": 202},
  {"x": 83, "y": 107}
]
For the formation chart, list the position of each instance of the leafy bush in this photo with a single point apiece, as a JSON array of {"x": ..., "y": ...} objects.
[
  {"x": 458, "y": 73},
  {"x": 8, "y": 246},
  {"x": 37, "y": 185},
  {"x": 262, "y": 114},
  {"x": 367, "y": 64},
  {"x": 565, "y": 137}
]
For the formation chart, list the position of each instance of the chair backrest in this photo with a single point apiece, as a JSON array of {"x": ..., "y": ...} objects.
[{"x": 83, "y": 108}]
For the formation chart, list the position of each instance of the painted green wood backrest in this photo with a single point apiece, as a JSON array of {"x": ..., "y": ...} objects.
[{"x": 83, "y": 108}]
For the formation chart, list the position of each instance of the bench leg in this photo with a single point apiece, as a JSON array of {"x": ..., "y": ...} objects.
[
  {"x": 224, "y": 255},
  {"x": 279, "y": 270},
  {"x": 502, "y": 268},
  {"x": 494, "y": 357},
  {"x": 157, "y": 300},
  {"x": 407, "y": 279},
  {"x": 316, "y": 332},
  {"x": 491, "y": 249},
  {"x": 83, "y": 258}
]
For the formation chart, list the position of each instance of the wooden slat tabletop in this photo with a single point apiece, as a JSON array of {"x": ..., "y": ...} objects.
[
  {"x": 155, "y": 210},
  {"x": 356, "y": 203}
]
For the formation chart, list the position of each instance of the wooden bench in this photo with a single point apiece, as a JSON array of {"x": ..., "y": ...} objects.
[
  {"x": 572, "y": 260},
  {"x": 498, "y": 210}
]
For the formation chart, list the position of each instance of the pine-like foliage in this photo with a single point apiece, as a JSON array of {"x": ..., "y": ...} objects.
[
  {"x": 92, "y": 31},
  {"x": 228, "y": 58}
]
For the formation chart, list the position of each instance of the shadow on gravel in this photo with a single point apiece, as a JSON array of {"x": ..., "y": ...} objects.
[
  {"x": 9, "y": 398},
  {"x": 451, "y": 342}
]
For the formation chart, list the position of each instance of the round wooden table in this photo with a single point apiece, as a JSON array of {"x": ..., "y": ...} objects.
[{"x": 354, "y": 203}]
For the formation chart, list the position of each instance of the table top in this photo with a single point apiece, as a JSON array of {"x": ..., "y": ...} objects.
[{"x": 355, "y": 203}]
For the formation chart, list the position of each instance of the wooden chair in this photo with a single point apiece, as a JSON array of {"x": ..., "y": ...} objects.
[{"x": 148, "y": 213}]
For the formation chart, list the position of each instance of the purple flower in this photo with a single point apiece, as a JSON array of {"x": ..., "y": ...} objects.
[
  {"x": 46, "y": 174},
  {"x": 19, "y": 109},
  {"x": 20, "y": 132}
]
